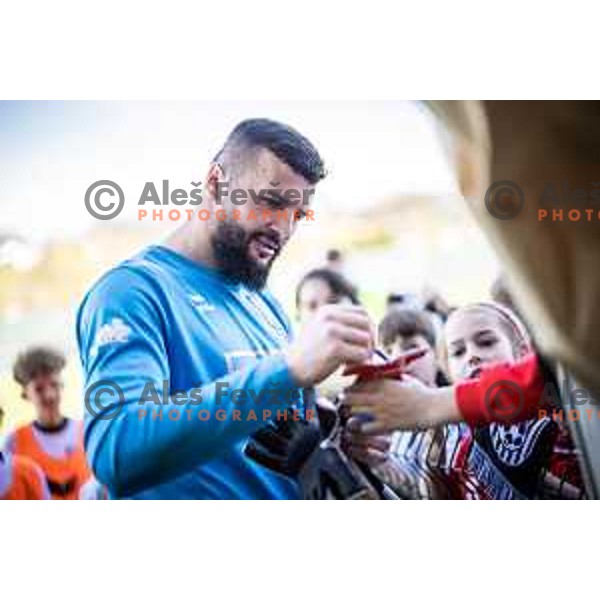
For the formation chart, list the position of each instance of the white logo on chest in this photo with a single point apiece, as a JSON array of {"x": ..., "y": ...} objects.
[{"x": 200, "y": 303}]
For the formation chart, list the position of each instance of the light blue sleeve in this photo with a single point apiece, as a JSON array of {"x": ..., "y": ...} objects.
[{"x": 121, "y": 338}]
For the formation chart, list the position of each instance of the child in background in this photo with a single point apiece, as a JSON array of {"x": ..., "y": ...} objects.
[
  {"x": 320, "y": 287},
  {"x": 52, "y": 441},
  {"x": 420, "y": 462},
  {"x": 509, "y": 461}
]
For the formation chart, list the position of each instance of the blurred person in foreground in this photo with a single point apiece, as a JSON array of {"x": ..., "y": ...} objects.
[
  {"x": 193, "y": 315},
  {"x": 550, "y": 263},
  {"x": 52, "y": 441}
]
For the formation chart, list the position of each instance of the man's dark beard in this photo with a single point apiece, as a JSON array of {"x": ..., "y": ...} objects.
[{"x": 230, "y": 244}]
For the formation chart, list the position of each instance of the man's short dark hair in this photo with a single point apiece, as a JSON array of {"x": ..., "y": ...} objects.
[
  {"x": 38, "y": 360},
  {"x": 287, "y": 144},
  {"x": 405, "y": 322}
]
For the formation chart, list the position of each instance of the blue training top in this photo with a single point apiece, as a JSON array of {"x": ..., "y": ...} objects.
[{"x": 160, "y": 323}]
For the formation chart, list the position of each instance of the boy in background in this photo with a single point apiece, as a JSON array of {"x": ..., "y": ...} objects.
[{"x": 52, "y": 441}]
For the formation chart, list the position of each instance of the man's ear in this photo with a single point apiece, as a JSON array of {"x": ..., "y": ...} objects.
[
  {"x": 24, "y": 394},
  {"x": 215, "y": 176}
]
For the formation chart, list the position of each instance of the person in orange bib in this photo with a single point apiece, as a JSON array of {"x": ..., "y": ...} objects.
[{"x": 52, "y": 441}]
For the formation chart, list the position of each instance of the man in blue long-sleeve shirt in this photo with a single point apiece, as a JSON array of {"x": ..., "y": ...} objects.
[{"x": 192, "y": 317}]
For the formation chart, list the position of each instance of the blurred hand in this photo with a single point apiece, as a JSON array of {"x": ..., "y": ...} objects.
[
  {"x": 386, "y": 405},
  {"x": 334, "y": 336},
  {"x": 371, "y": 450},
  {"x": 333, "y": 385}
]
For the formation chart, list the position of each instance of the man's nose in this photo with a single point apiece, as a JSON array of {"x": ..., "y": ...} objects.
[{"x": 282, "y": 226}]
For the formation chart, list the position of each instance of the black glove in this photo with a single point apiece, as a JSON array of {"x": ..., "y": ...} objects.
[
  {"x": 284, "y": 446},
  {"x": 294, "y": 448}
]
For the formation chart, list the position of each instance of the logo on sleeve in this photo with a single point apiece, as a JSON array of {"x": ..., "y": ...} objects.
[{"x": 115, "y": 332}]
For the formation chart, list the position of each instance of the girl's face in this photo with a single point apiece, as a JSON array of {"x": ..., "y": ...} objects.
[
  {"x": 425, "y": 368},
  {"x": 475, "y": 338}
]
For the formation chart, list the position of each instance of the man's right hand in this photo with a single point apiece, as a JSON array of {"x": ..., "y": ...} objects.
[{"x": 336, "y": 335}]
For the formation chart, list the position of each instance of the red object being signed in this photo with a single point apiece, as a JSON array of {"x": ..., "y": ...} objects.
[{"x": 390, "y": 369}]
